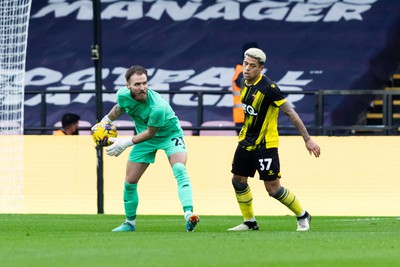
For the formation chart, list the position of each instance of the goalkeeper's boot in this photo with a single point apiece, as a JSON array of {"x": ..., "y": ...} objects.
[
  {"x": 125, "y": 227},
  {"x": 303, "y": 222},
  {"x": 245, "y": 226},
  {"x": 191, "y": 222}
]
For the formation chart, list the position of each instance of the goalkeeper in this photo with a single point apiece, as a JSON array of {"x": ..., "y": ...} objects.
[{"x": 157, "y": 128}]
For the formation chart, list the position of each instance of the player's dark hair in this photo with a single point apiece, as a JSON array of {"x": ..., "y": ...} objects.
[
  {"x": 69, "y": 118},
  {"x": 136, "y": 69}
]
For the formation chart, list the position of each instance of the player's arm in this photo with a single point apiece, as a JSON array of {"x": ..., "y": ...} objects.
[
  {"x": 295, "y": 119},
  {"x": 120, "y": 144},
  {"x": 114, "y": 114},
  {"x": 156, "y": 120},
  {"x": 145, "y": 135},
  {"x": 311, "y": 146}
]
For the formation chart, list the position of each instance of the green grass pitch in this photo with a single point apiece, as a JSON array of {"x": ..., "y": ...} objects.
[{"x": 86, "y": 240}]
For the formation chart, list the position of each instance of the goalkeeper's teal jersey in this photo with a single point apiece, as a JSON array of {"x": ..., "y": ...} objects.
[{"x": 155, "y": 112}]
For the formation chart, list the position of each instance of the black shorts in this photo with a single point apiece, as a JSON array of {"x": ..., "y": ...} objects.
[{"x": 265, "y": 161}]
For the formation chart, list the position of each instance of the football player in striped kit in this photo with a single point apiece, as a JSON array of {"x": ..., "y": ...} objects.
[{"x": 257, "y": 149}]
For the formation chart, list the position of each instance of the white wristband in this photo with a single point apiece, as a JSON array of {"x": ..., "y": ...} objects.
[{"x": 106, "y": 119}]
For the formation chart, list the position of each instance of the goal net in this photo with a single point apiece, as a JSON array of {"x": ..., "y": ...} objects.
[{"x": 14, "y": 21}]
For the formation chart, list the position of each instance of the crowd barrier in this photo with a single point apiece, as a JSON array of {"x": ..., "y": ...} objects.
[
  {"x": 319, "y": 127},
  {"x": 354, "y": 176}
]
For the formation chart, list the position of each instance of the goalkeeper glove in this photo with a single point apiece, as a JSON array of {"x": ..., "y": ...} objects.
[
  {"x": 118, "y": 146},
  {"x": 104, "y": 119}
]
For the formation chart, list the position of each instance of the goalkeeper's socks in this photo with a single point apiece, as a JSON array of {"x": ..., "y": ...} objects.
[
  {"x": 184, "y": 186},
  {"x": 131, "y": 201}
]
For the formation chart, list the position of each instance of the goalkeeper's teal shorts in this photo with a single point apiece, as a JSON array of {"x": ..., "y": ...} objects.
[{"x": 145, "y": 152}]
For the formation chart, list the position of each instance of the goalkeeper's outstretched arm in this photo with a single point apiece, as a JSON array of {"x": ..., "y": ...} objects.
[{"x": 114, "y": 114}]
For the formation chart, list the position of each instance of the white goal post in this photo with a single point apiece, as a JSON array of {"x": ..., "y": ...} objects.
[{"x": 14, "y": 22}]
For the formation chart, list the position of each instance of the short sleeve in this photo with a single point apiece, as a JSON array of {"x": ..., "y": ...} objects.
[{"x": 277, "y": 97}]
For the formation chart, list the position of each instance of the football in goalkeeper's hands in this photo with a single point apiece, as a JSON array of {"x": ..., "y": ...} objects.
[{"x": 102, "y": 132}]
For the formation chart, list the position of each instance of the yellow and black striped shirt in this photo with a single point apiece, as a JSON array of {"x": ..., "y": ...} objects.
[{"x": 261, "y": 103}]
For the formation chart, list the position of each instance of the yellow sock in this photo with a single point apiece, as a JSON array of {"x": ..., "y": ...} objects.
[
  {"x": 245, "y": 200},
  {"x": 288, "y": 199}
]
